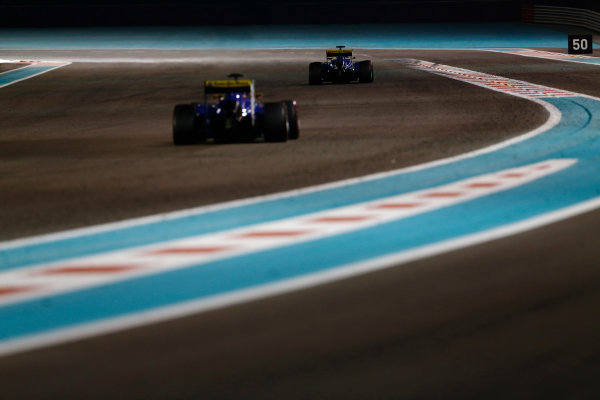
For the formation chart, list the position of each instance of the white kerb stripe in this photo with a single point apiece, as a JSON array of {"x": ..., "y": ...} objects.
[{"x": 80, "y": 273}]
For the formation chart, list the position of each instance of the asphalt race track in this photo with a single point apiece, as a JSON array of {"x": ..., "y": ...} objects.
[{"x": 90, "y": 143}]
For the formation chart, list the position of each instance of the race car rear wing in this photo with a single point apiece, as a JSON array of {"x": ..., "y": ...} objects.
[
  {"x": 232, "y": 86},
  {"x": 338, "y": 52},
  {"x": 229, "y": 86}
]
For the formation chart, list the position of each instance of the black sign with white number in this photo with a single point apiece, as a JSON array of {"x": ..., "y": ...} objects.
[{"x": 580, "y": 44}]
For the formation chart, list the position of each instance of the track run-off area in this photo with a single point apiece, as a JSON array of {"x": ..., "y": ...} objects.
[{"x": 75, "y": 284}]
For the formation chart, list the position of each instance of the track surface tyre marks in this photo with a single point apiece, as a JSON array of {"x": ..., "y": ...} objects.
[
  {"x": 121, "y": 116},
  {"x": 516, "y": 317}
]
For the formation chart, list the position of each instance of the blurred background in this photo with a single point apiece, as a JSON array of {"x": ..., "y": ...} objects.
[{"x": 51, "y": 13}]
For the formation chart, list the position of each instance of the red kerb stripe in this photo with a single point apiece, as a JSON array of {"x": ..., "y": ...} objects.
[
  {"x": 443, "y": 194},
  {"x": 398, "y": 205},
  {"x": 8, "y": 290},
  {"x": 513, "y": 175},
  {"x": 543, "y": 166},
  {"x": 340, "y": 219},
  {"x": 273, "y": 233},
  {"x": 91, "y": 269},
  {"x": 478, "y": 185},
  {"x": 191, "y": 250}
]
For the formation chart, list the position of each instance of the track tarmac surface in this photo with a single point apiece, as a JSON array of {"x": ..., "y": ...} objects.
[{"x": 90, "y": 143}]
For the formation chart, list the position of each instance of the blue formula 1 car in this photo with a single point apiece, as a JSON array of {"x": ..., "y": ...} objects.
[
  {"x": 235, "y": 115},
  {"x": 340, "y": 67}
]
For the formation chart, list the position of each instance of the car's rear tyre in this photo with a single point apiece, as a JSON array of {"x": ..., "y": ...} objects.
[
  {"x": 276, "y": 122},
  {"x": 184, "y": 125},
  {"x": 365, "y": 71},
  {"x": 314, "y": 73},
  {"x": 292, "y": 112}
]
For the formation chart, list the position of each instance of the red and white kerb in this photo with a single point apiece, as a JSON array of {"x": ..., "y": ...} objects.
[
  {"x": 75, "y": 274},
  {"x": 549, "y": 55},
  {"x": 493, "y": 82}
]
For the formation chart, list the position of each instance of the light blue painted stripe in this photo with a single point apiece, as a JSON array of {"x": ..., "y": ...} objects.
[
  {"x": 288, "y": 36},
  {"x": 575, "y": 118},
  {"x": 20, "y": 74},
  {"x": 576, "y": 136}
]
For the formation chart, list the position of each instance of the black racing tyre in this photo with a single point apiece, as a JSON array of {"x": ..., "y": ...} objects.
[
  {"x": 365, "y": 71},
  {"x": 184, "y": 124},
  {"x": 314, "y": 73},
  {"x": 292, "y": 112},
  {"x": 276, "y": 122}
]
